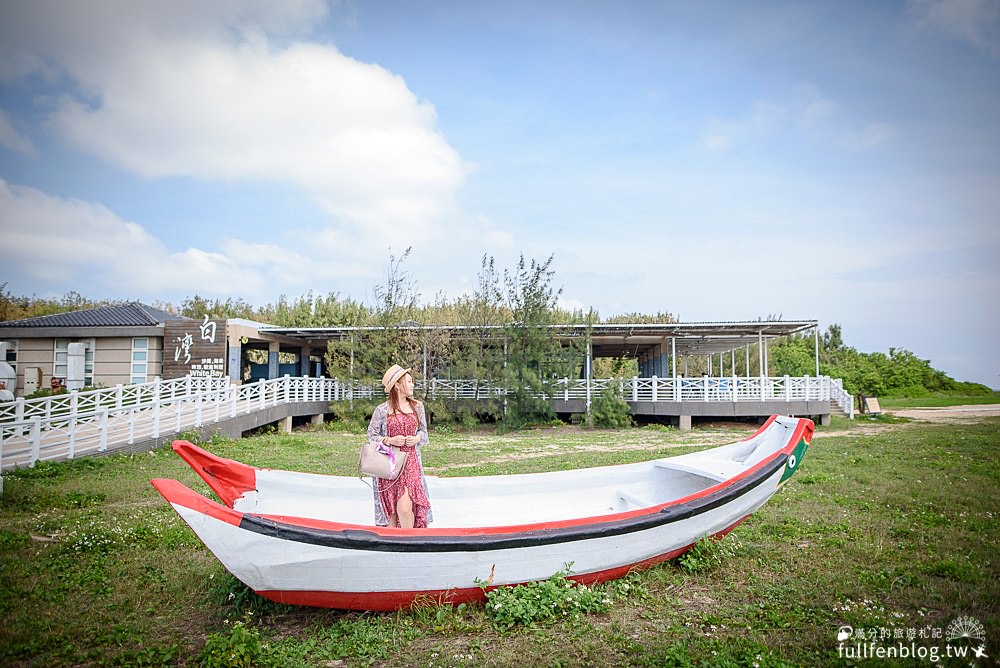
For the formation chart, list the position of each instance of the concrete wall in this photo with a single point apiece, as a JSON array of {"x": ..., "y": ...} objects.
[
  {"x": 112, "y": 359},
  {"x": 685, "y": 410}
]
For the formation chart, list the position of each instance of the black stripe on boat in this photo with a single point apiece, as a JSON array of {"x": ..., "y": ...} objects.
[{"x": 361, "y": 539}]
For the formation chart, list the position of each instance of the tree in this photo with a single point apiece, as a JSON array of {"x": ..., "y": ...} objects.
[
  {"x": 395, "y": 339},
  {"x": 535, "y": 360}
]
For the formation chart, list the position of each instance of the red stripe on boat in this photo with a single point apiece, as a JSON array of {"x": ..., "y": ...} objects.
[{"x": 177, "y": 494}]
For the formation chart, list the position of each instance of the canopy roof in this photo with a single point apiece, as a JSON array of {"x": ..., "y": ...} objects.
[{"x": 607, "y": 340}]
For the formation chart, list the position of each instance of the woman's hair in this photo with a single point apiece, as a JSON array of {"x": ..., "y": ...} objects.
[{"x": 396, "y": 398}]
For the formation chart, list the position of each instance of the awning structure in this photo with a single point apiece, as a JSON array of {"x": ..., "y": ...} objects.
[{"x": 609, "y": 340}]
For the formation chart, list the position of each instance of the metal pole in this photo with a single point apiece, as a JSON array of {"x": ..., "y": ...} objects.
[
  {"x": 760, "y": 353},
  {"x": 673, "y": 356},
  {"x": 816, "y": 337}
]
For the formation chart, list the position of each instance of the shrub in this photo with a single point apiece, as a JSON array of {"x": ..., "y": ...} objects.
[
  {"x": 545, "y": 602},
  {"x": 708, "y": 553},
  {"x": 609, "y": 410},
  {"x": 240, "y": 647}
]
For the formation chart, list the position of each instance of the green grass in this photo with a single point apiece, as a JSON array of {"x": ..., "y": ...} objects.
[
  {"x": 894, "y": 529},
  {"x": 939, "y": 400}
]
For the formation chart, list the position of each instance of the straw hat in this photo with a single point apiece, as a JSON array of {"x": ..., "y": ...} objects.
[{"x": 394, "y": 373}]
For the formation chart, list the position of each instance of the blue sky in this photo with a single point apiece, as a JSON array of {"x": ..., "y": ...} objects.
[{"x": 837, "y": 161}]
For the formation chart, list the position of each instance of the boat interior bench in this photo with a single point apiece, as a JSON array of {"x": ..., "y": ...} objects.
[
  {"x": 717, "y": 470},
  {"x": 630, "y": 499}
]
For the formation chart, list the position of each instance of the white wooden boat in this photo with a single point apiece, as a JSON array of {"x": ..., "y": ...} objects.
[{"x": 310, "y": 539}]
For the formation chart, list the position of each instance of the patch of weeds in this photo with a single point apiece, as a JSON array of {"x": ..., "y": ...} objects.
[
  {"x": 364, "y": 639},
  {"x": 881, "y": 418},
  {"x": 953, "y": 569},
  {"x": 445, "y": 618},
  {"x": 660, "y": 427},
  {"x": 681, "y": 654},
  {"x": 240, "y": 647},
  {"x": 81, "y": 500},
  {"x": 544, "y": 602},
  {"x": 51, "y": 470},
  {"x": 867, "y": 613},
  {"x": 195, "y": 437},
  {"x": 240, "y": 600},
  {"x": 23, "y": 499},
  {"x": 95, "y": 534},
  {"x": 10, "y": 540},
  {"x": 815, "y": 479},
  {"x": 929, "y": 517},
  {"x": 72, "y": 572},
  {"x": 148, "y": 657},
  {"x": 708, "y": 553}
]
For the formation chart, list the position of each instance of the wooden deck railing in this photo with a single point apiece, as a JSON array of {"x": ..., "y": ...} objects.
[{"x": 70, "y": 425}]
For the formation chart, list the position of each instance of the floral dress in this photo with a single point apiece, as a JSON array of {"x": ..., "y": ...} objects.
[{"x": 411, "y": 478}]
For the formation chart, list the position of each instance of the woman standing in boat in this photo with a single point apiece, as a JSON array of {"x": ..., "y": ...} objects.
[{"x": 401, "y": 422}]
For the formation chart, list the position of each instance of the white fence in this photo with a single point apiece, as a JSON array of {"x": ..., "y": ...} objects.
[
  {"x": 70, "y": 425},
  {"x": 704, "y": 389}
]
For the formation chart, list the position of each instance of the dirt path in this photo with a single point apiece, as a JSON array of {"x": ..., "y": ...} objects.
[
  {"x": 948, "y": 413},
  {"x": 943, "y": 415}
]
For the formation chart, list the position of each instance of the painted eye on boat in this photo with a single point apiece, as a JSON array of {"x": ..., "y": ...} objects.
[{"x": 792, "y": 461}]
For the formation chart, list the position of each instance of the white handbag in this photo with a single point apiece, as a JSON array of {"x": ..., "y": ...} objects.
[{"x": 381, "y": 461}]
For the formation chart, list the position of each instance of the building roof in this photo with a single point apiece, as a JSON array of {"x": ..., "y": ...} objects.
[
  {"x": 133, "y": 314},
  {"x": 612, "y": 340}
]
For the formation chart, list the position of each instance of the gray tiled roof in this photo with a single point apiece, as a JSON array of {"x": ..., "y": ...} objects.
[{"x": 125, "y": 315}]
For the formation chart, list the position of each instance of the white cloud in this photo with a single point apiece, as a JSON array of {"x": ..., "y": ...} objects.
[
  {"x": 974, "y": 21},
  {"x": 763, "y": 120},
  {"x": 875, "y": 134},
  {"x": 815, "y": 107},
  {"x": 13, "y": 139},
  {"x": 54, "y": 240},
  {"x": 190, "y": 90}
]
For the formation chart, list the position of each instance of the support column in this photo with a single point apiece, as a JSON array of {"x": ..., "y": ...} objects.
[
  {"x": 673, "y": 357},
  {"x": 272, "y": 359},
  {"x": 304, "y": 352},
  {"x": 316, "y": 420},
  {"x": 824, "y": 420},
  {"x": 816, "y": 338},
  {"x": 285, "y": 425},
  {"x": 234, "y": 360},
  {"x": 684, "y": 422}
]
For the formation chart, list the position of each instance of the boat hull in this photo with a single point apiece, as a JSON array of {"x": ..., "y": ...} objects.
[{"x": 319, "y": 562}]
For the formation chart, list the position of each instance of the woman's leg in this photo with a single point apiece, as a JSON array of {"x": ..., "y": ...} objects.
[{"x": 404, "y": 510}]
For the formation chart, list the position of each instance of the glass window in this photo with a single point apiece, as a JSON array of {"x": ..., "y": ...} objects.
[
  {"x": 140, "y": 354},
  {"x": 59, "y": 358}
]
